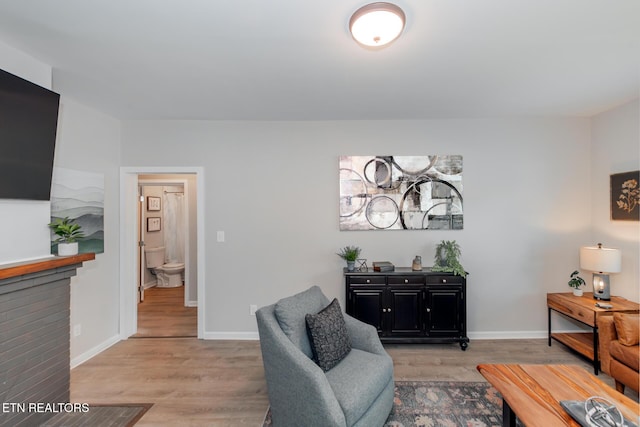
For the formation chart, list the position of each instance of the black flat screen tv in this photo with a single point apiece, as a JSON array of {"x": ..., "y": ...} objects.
[{"x": 28, "y": 125}]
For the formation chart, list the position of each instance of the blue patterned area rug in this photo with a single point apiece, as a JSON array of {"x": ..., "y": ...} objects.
[
  {"x": 442, "y": 404},
  {"x": 445, "y": 404}
]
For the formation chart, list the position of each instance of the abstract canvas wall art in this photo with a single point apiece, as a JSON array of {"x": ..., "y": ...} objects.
[
  {"x": 401, "y": 192},
  {"x": 80, "y": 195}
]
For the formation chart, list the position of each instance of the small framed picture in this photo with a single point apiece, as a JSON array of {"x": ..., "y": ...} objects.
[
  {"x": 625, "y": 196},
  {"x": 153, "y": 224},
  {"x": 153, "y": 203}
]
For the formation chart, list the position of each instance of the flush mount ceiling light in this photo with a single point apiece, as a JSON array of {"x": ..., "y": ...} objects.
[{"x": 377, "y": 24}]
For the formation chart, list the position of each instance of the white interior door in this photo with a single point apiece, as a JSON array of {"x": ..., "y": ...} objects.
[{"x": 141, "y": 260}]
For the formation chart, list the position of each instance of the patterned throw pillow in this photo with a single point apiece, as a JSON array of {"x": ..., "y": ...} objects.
[{"x": 330, "y": 341}]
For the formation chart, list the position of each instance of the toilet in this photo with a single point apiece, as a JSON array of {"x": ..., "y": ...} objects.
[{"x": 168, "y": 275}]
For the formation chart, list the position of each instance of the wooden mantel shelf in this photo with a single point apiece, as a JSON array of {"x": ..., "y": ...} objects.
[{"x": 33, "y": 266}]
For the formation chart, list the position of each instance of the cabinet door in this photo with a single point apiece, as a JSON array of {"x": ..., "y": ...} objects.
[
  {"x": 366, "y": 305},
  {"x": 405, "y": 311},
  {"x": 444, "y": 311}
]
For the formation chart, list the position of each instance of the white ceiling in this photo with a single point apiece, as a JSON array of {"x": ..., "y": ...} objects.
[{"x": 295, "y": 60}]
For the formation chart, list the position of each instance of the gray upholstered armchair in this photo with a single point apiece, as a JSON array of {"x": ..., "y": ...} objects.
[{"x": 358, "y": 391}]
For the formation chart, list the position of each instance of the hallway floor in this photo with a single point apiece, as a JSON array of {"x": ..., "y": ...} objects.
[{"x": 163, "y": 314}]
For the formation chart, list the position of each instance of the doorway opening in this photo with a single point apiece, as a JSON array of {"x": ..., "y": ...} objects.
[
  {"x": 167, "y": 297},
  {"x": 162, "y": 255}
]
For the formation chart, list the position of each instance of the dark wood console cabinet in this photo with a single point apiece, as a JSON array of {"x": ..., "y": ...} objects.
[{"x": 410, "y": 306}]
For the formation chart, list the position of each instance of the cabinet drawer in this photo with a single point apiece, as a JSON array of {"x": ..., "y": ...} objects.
[
  {"x": 575, "y": 311},
  {"x": 444, "y": 280},
  {"x": 406, "y": 280},
  {"x": 367, "y": 280}
]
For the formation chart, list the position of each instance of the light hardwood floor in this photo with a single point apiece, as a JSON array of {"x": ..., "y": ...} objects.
[
  {"x": 195, "y": 382},
  {"x": 163, "y": 314}
]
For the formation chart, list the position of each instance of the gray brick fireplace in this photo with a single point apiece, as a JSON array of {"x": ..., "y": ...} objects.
[{"x": 34, "y": 338}]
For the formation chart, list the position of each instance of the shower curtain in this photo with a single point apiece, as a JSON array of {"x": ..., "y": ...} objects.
[{"x": 173, "y": 213}]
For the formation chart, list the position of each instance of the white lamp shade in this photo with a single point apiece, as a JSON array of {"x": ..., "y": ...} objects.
[
  {"x": 377, "y": 24},
  {"x": 600, "y": 259}
]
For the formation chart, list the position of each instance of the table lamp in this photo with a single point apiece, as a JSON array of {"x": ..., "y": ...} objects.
[{"x": 601, "y": 261}]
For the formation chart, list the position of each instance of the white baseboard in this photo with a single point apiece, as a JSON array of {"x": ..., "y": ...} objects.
[
  {"x": 191, "y": 304},
  {"x": 492, "y": 335},
  {"x": 79, "y": 360},
  {"x": 241, "y": 336},
  {"x": 517, "y": 335},
  {"x": 507, "y": 335}
]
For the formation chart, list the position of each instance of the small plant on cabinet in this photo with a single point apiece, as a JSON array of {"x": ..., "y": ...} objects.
[
  {"x": 350, "y": 254},
  {"x": 446, "y": 258}
]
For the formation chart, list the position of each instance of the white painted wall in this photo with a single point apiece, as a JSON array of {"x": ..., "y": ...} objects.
[
  {"x": 28, "y": 235},
  {"x": 273, "y": 188},
  {"x": 535, "y": 190},
  {"x": 90, "y": 141},
  {"x": 616, "y": 148},
  {"x": 87, "y": 140}
]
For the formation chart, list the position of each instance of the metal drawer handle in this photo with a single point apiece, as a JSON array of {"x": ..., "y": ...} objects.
[
  {"x": 428, "y": 310},
  {"x": 368, "y": 281},
  {"x": 444, "y": 280},
  {"x": 406, "y": 280}
]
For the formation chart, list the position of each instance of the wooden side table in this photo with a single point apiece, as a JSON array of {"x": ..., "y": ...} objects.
[{"x": 583, "y": 310}]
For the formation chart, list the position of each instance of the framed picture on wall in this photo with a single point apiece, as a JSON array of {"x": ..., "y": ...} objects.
[
  {"x": 153, "y": 224},
  {"x": 153, "y": 203},
  {"x": 401, "y": 192},
  {"x": 625, "y": 196}
]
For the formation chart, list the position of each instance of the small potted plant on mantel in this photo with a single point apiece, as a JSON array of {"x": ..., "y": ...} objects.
[
  {"x": 350, "y": 254},
  {"x": 575, "y": 282},
  {"x": 68, "y": 233}
]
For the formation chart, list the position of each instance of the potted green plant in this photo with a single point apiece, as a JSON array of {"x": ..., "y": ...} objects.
[
  {"x": 350, "y": 254},
  {"x": 68, "y": 233},
  {"x": 446, "y": 258},
  {"x": 575, "y": 282}
]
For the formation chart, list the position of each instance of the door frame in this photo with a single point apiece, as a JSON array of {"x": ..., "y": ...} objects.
[{"x": 129, "y": 199}]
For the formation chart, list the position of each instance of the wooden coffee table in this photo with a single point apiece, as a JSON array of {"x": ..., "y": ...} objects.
[{"x": 533, "y": 393}]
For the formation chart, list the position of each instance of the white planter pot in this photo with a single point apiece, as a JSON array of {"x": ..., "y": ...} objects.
[
  {"x": 577, "y": 292},
  {"x": 67, "y": 249}
]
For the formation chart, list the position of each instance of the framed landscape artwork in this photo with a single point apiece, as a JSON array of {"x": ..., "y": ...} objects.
[
  {"x": 625, "y": 196},
  {"x": 79, "y": 195},
  {"x": 401, "y": 192}
]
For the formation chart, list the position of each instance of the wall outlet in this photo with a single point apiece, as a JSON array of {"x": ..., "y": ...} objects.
[
  {"x": 77, "y": 330},
  {"x": 252, "y": 309}
]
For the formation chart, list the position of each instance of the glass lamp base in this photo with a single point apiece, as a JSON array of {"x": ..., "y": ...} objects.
[{"x": 601, "y": 289}]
